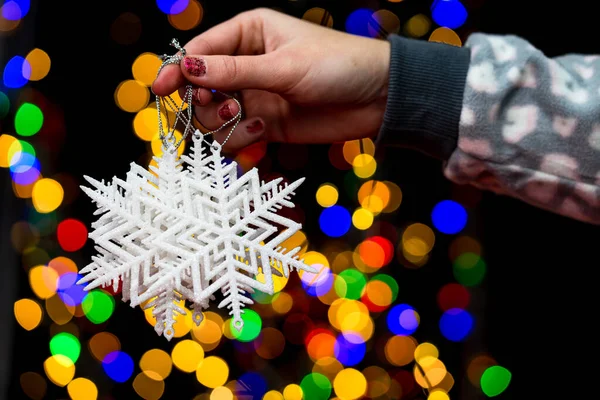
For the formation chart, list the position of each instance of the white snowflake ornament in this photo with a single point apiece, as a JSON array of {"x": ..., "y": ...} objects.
[{"x": 191, "y": 228}]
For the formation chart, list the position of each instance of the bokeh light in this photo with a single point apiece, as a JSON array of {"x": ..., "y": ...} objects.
[
  {"x": 449, "y": 217},
  {"x": 118, "y": 366},
  {"x": 335, "y": 221},
  {"x": 449, "y": 13},
  {"x": 17, "y": 72},
  {"x": 495, "y": 380},
  {"x": 456, "y": 324},
  {"x": 28, "y": 119}
]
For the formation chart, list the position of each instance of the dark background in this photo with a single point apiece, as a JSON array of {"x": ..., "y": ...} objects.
[{"x": 537, "y": 308}]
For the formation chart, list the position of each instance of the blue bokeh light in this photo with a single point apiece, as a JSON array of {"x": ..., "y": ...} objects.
[
  {"x": 402, "y": 320},
  {"x": 456, "y": 324},
  {"x": 172, "y": 6},
  {"x": 69, "y": 291},
  {"x": 449, "y": 217},
  {"x": 335, "y": 221},
  {"x": 118, "y": 366},
  {"x": 451, "y": 14},
  {"x": 16, "y": 72},
  {"x": 27, "y": 177},
  {"x": 251, "y": 384},
  {"x": 349, "y": 349},
  {"x": 317, "y": 284},
  {"x": 22, "y": 161},
  {"x": 14, "y": 10},
  {"x": 358, "y": 22}
]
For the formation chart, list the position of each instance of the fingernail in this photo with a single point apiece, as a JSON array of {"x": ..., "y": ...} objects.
[
  {"x": 255, "y": 126},
  {"x": 195, "y": 66},
  {"x": 196, "y": 96},
  {"x": 225, "y": 112}
]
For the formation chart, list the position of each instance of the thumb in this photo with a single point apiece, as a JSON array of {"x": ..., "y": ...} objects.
[{"x": 231, "y": 73}]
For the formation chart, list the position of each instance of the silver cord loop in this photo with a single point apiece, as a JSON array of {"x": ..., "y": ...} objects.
[{"x": 169, "y": 141}]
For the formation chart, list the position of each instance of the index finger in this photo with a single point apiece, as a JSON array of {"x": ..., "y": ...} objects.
[{"x": 225, "y": 38}]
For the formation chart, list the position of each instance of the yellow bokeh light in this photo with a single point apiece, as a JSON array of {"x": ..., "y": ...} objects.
[
  {"x": 189, "y": 18},
  {"x": 145, "y": 123},
  {"x": 328, "y": 367},
  {"x": 221, "y": 393},
  {"x": 156, "y": 364},
  {"x": 82, "y": 389},
  {"x": 43, "y": 281},
  {"x": 350, "y": 384},
  {"x": 327, "y": 195},
  {"x": 187, "y": 355},
  {"x": 364, "y": 166},
  {"x": 395, "y": 197},
  {"x": 362, "y": 218},
  {"x": 418, "y": 239},
  {"x": 400, "y": 350},
  {"x": 102, "y": 344},
  {"x": 438, "y": 394},
  {"x": 445, "y": 35},
  {"x": 9, "y": 148},
  {"x": 40, "y": 64},
  {"x": 292, "y": 392},
  {"x": 58, "y": 311},
  {"x": 212, "y": 372},
  {"x": 429, "y": 372},
  {"x": 147, "y": 387},
  {"x": 132, "y": 95},
  {"x": 374, "y": 196},
  {"x": 59, "y": 369},
  {"x": 273, "y": 395},
  {"x": 282, "y": 303},
  {"x": 354, "y": 148},
  {"x": 28, "y": 313},
  {"x": 319, "y": 16},
  {"x": 425, "y": 350},
  {"x": 417, "y": 26},
  {"x": 209, "y": 332},
  {"x": 47, "y": 195},
  {"x": 145, "y": 68}
]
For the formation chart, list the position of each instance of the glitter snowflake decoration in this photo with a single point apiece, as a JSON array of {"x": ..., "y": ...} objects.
[{"x": 187, "y": 228}]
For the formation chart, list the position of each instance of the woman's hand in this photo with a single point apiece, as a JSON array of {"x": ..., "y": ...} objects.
[{"x": 299, "y": 82}]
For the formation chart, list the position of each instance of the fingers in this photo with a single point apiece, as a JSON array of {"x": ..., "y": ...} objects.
[
  {"x": 246, "y": 133},
  {"x": 232, "y": 73},
  {"x": 237, "y": 35},
  {"x": 215, "y": 114}
]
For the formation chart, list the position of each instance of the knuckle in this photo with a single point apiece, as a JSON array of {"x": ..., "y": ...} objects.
[{"x": 230, "y": 68}]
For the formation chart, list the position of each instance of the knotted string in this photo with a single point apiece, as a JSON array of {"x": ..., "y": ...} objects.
[{"x": 169, "y": 141}]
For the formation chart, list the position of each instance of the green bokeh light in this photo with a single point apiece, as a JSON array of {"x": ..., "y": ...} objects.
[
  {"x": 67, "y": 345},
  {"x": 4, "y": 105},
  {"x": 28, "y": 119},
  {"x": 98, "y": 306},
  {"x": 355, "y": 281},
  {"x": 469, "y": 269},
  {"x": 495, "y": 380},
  {"x": 391, "y": 282},
  {"x": 316, "y": 386},
  {"x": 251, "y": 328}
]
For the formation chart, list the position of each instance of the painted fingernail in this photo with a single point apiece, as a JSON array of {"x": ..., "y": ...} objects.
[
  {"x": 195, "y": 66},
  {"x": 255, "y": 126},
  {"x": 225, "y": 112}
]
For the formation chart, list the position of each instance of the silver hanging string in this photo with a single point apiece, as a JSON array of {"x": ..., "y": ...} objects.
[{"x": 169, "y": 141}]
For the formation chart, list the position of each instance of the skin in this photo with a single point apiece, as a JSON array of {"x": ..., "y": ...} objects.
[{"x": 299, "y": 82}]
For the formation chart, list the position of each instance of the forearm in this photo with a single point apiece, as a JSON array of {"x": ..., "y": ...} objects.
[{"x": 528, "y": 126}]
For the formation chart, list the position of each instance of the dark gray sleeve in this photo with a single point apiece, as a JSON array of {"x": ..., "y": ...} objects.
[{"x": 425, "y": 94}]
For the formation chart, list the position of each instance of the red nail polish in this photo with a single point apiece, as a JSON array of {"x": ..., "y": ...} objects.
[
  {"x": 195, "y": 66},
  {"x": 255, "y": 126},
  {"x": 225, "y": 112}
]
